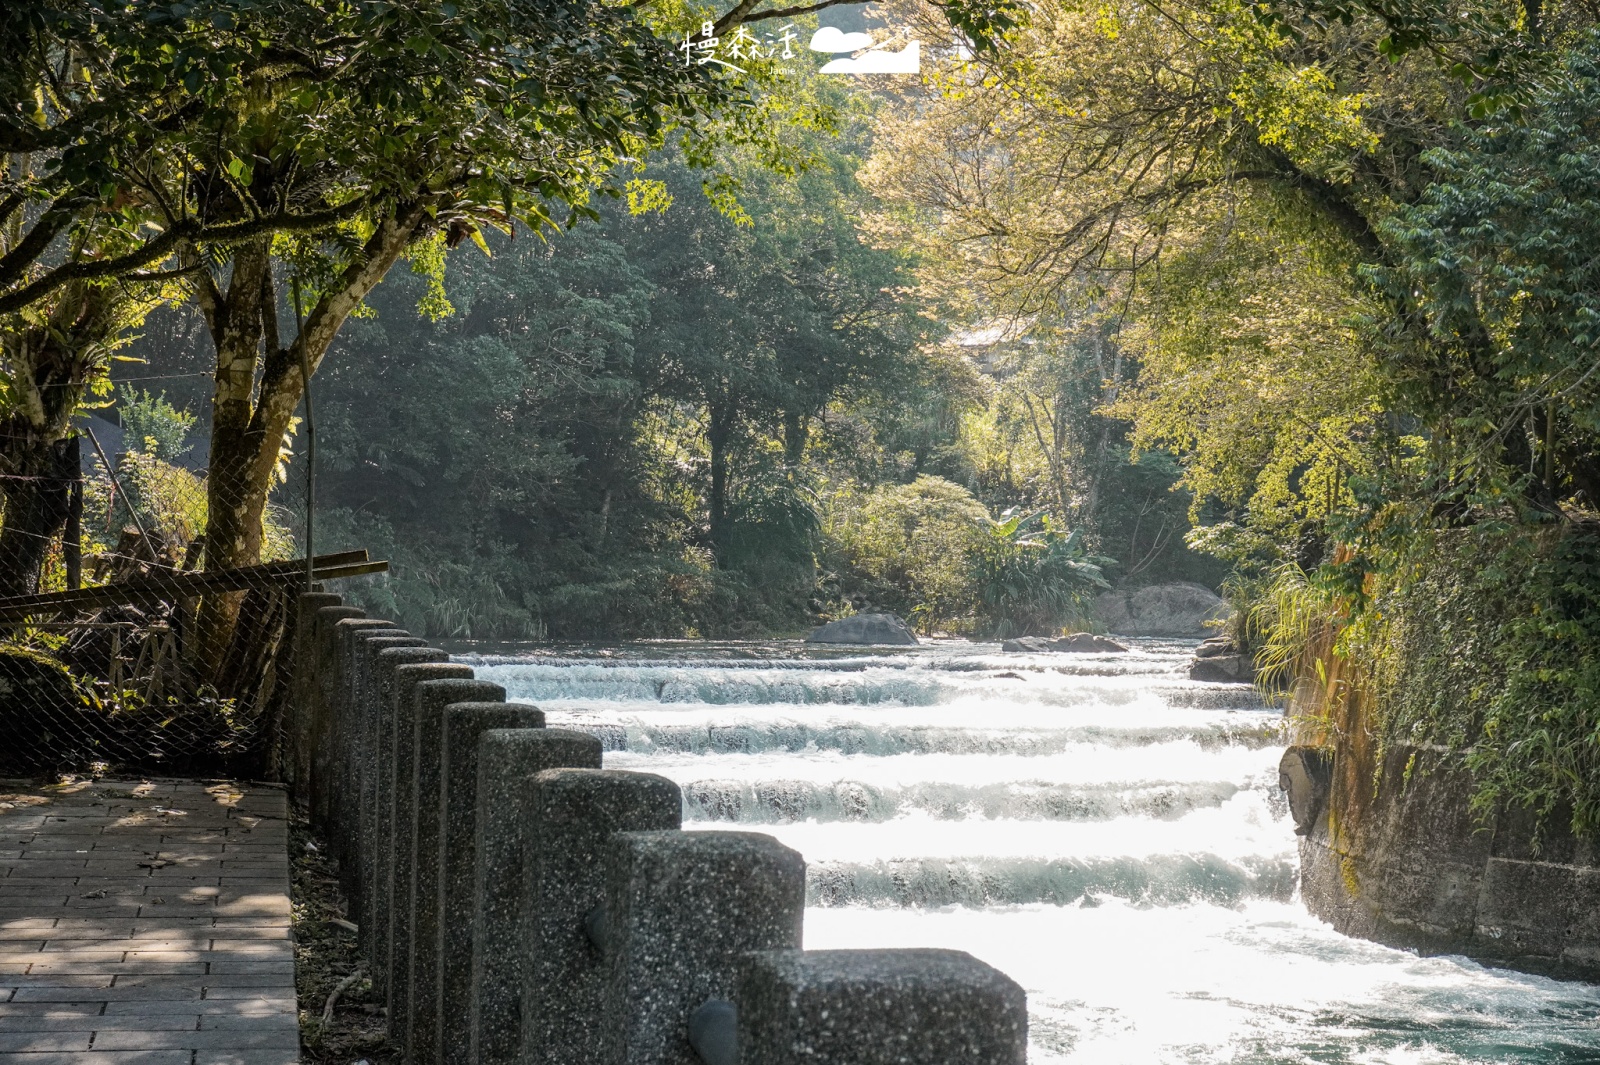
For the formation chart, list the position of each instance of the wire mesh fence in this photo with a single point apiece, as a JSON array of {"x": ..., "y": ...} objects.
[{"x": 122, "y": 646}]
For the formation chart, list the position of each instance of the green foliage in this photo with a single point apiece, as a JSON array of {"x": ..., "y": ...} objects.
[
  {"x": 154, "y": 425},
  {"x": 1498, "y": 297},
  {"x": 1034, "y": 583},
  {"x": 1277, "y": 616},
  {"x": 909, "y": 547},
  {"x": 171, "y": 499},
  {"x": 1487, "y": 641}
]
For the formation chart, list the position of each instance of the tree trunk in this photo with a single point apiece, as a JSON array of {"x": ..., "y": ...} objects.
[
  {"x": 717, "y": 435},
  {"x": 249, "y": 419},
  {"x": 232, "y": 537},
  {"x": 50, "y": 367},
  {"x": 795, "y": 437},
  {"x": 37, "y": 495}
]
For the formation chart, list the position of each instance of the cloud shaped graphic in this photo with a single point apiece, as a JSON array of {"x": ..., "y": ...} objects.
[
  {"x": 906, "y": 61},
  {"x": 833, "y": 39}
]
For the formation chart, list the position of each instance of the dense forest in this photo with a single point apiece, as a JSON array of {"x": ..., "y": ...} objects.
[
  {"x": 689, "y": 421},
  {"x": 1295, "y": 299}
]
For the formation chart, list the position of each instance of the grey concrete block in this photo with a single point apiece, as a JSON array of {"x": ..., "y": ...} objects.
[
  {"x": 878, "y": 1007},
  {"x": 325, "y": 672},
  {"x": 464, "y": 723},
  {"x": 294, "y": 757},
  {"x": 381, "y": 664},
  {"x": 506, "y": 759},
  {"x": 377, "y": 781},
  {"x": 402, "y": 682},
  {"x": 682, "y": 908},
  {"x": 572, "y": 815},
  {"x": 432, "y": 697},
  {"x": 344, "y": 812}
]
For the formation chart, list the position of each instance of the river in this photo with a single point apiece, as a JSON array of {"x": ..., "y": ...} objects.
[{"x": 1101, "y": 828}]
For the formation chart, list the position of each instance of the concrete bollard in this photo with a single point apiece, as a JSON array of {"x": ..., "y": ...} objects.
[
  {"x": 682, "y": 908},
  {"x": 878, "y": 1007},
  {"x": 375, "y": 768},
  {"x": 572, "y": 815},
  {"x": 344, "y": 807},
  {"x": 294, "y": 757},
  {"x": 384, "y": 661},
  {"x": 506, "y": 759},
  {"x": 432, "y": 697},
  {"x": 325, "y": 664},
  {"x": 402, "y": 927},
  {"x": 464, "y": 723}
]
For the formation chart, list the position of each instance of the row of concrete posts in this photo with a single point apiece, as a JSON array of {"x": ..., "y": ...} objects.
[{"x": 519, "y": 903}]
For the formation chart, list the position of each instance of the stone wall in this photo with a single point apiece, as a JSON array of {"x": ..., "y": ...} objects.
[
  {"x": 519, "y": 903},
  {"x": 1391, "y": 851}
]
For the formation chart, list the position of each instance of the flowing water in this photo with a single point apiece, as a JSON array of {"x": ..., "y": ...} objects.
[{"x": 1104, "y": 830}]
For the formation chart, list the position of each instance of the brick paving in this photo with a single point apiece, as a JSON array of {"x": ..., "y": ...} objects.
[{"x": 145, "y": 924}]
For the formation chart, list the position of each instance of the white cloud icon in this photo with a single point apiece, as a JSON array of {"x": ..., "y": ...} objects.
[
  {"x": 833, "y": 39},
  {"x": 906, "y": 61}
]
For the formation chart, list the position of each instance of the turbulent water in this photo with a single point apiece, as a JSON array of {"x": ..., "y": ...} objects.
[{"x": 1102, "y": 829}]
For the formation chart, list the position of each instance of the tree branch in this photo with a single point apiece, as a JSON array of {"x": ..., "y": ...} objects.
[
  {"x": 14, "y": 263},
  {"x": 728, "y": 21},
  {"x": 161, "y": 246}
]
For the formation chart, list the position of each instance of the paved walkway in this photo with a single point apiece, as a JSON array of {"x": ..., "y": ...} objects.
[{"x": 145, "y": 924}]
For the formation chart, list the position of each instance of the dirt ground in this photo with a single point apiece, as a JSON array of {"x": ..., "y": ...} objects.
[{"x": 325, "y": 957}]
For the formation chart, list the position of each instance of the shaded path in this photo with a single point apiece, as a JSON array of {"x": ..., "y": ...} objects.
[{"x": 145, "y": 924}]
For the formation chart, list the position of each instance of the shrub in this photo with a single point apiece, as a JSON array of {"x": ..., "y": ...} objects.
[
  {"x": 1033, "y": 583},
  {"x": 908, "y": 548}
]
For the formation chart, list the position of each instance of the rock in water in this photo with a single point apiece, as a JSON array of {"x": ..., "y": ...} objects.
[
  {"x": 865, "y": 629},
  {"x": 1031, "y": 645},
  {"x": 1178, "y": 609},
  {"x": 1225, "y": 669},
  {"x": 1087, "y": 642},
  {"x": 1080, "y": 642}
]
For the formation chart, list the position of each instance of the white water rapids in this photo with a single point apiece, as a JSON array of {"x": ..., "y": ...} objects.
[{"x": 1104, "y": 830}]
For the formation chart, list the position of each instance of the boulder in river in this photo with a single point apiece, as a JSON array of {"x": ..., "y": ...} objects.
[
  {"x": 1224, "y": 669},
  {"x": 1081, "y": 642},
  {"x": 865, "y": 629},
  {"x": 1177, "y": 609}
]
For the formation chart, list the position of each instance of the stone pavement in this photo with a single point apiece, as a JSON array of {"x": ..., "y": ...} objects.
[{"x": 145, "y": 924}]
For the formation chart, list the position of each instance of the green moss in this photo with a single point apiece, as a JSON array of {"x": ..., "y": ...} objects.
[
  {"x": 1486, "y": 641},
  {"x": 42, "y": 714},
  {"x": 1347, "y": 872}
]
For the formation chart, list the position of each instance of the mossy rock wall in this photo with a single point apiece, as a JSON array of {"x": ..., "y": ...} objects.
[
  {"x": 42, "y": 718},
  {"x": 1408, "y": 864}
]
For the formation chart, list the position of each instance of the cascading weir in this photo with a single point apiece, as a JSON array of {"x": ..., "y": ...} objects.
[{"x": 1108, "y": 832}]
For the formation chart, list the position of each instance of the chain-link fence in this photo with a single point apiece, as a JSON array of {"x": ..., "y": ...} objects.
[{"x": 130, "y": 650}]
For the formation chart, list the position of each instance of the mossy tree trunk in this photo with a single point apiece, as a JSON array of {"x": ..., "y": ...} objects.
[
  {"x": 51, "y": 362},
  {"x": 259, "y": 382}
]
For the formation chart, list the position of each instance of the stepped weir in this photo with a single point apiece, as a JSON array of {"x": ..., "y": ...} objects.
[{"x": 687, "y": 852}]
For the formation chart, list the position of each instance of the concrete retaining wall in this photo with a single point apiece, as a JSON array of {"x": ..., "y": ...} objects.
[{"x": 518, "y": 903}]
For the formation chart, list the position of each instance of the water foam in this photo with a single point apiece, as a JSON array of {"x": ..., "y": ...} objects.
[
  {"x": 1102, "y": 829},
  {"x": 1259, "y": 982},
  {"x": 784, "y": 801}
]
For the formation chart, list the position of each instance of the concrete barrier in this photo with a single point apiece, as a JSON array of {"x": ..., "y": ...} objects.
[
  {"x": 572, "y": 815},
  {"x": 878, "y": 1007},
  {"x": 507, "y": 758},
  {"x": 519, "y": 905},
  {"x": 384, "y": 661},
  {"x": 464, "y": 725},
  {"x": 432, "y": 698},
  {"x": 377, "y": 782},
  {"x": 402, "y": 890},
  {"x": 682, "y": 909}
]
